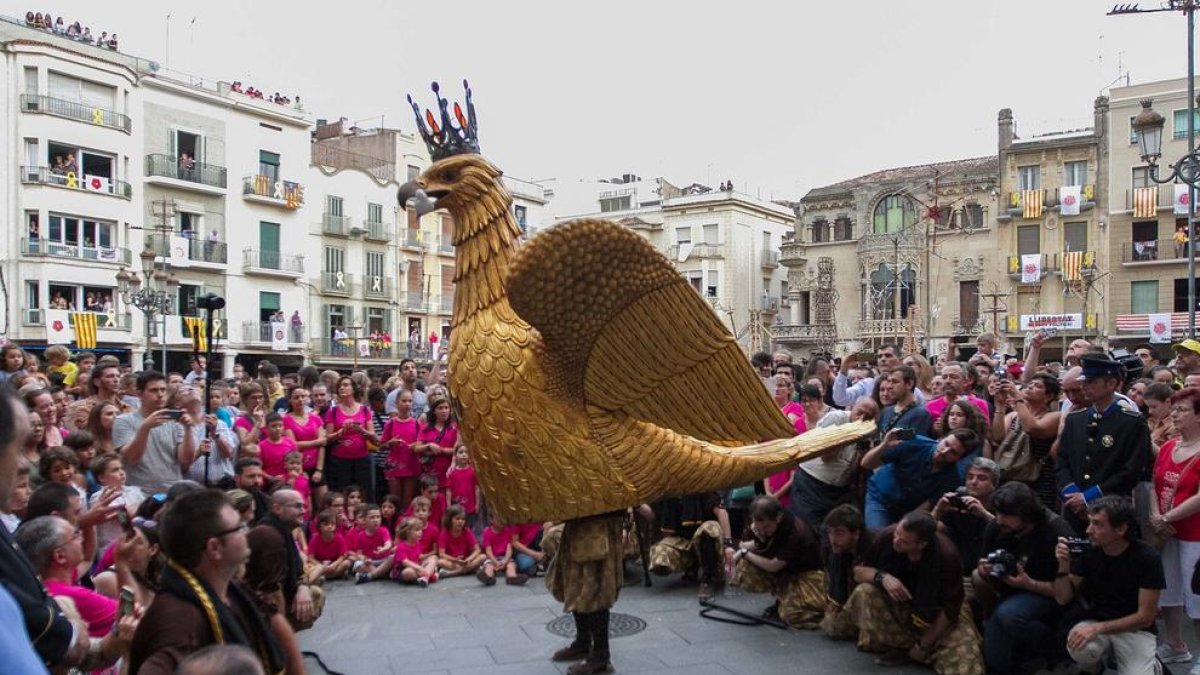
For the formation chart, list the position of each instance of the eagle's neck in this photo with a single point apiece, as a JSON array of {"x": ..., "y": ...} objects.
[{"x": 486, "y": 238}]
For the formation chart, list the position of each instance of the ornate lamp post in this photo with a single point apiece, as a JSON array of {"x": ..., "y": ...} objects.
[{"x": 156, "y": 297}]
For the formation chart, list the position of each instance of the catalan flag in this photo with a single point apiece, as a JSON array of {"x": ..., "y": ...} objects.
[
  {"x": 195, "y": 326},
  {"x": 1145, "y": 202},
  {"x": 1072, "y": 269},
  {"x": 85, "y": 329},
  {"x": 1034, "y": 200}
]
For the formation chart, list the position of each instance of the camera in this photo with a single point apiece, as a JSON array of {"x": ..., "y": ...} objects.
[
  {"x": 174, "y": 414},
  {"x": 1077, "y": 545},
  {"x": 905, "y": 433},
  {"x": 1131, "y": 362},
  {"x": 956, "y": 500},
  {"x": 1004, "y": 564},
  {"x": 210, "y": 301}
]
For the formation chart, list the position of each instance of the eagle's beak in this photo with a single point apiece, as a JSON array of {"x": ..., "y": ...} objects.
[{"x": 412, "y": 191}]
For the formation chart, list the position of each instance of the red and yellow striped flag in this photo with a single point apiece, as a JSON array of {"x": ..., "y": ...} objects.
[
  {"x": 1145, "y": 202},
  {"x": 195, "y": 326},
  {"x": 1034, "y": 200},
  {"x": 85, "y": 329},
  {"x": 1072, "y": 269}
]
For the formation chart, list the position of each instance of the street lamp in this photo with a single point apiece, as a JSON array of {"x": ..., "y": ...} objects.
[
  {"x": 1148, "y": 126},
  {"x": 156, "y": 297}
]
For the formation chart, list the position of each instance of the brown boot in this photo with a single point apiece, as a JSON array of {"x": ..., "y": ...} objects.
[
  {"x": 572, "y": 652},
  {"x": 590, "y": 667}
]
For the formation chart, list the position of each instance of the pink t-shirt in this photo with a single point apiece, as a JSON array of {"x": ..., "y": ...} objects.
[
  {"x": 1171, "y": 474},
  {"x": 373, "y": 545},
  {"x": 309, "y": 430},
  {"x": 498, "y": 541},
  {"x": 353, "y": 444},
  {"x": 793, "y": 408},
  {"x": 272, "y": 453},
  {"x": 938, "y": 406},
  {"x": 429, "y": 539},
  {"x": 99, "y": 611},
  {"x": 402, "y": 461},
  {"x": 326, "y": 551},
  {"x": 406, "y": 551},
  {"x": 778, "y": 480},
  {"x": 460, "y": 545},
  {"x": 244, "y": 423},
  {"x": 462, "y": 485},
  {"x": 437, "y": 508},
  {"x": 526, "y": 532},
  {"x": 440, "y": 463}
]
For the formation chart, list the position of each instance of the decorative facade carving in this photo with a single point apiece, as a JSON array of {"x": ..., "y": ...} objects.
[{"x": 969, "y": 268}]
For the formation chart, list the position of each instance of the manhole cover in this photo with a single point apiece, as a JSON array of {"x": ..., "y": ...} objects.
[{"x": 619, "y": 625}]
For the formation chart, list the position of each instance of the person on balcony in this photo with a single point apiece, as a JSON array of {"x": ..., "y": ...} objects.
[{"x": 186, "y": 164}]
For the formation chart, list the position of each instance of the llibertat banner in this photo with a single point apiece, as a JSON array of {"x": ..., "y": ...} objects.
[{"x": 1057, "y": 321}]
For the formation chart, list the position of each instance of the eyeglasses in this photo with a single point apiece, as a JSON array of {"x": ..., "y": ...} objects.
[{"x": 240, "y": 527}]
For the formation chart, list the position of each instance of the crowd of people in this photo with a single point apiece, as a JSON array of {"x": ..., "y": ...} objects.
[
  {"x": 250, "y": 91},
  {"x": 1007, "y": 517},
  {"x": 75, "y": 31}
]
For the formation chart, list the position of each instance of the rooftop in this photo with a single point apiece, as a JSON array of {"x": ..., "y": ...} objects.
[{"x": 958, "y": 168}]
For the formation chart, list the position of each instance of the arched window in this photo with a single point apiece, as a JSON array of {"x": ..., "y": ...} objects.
[
  {"x": 893, "y": 213},
  {"x": 880, "y": 301},
  {"x": 908, "y": 289}
]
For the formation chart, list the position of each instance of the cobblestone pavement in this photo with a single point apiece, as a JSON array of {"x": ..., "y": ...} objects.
[{"x": 459, "y": 627}]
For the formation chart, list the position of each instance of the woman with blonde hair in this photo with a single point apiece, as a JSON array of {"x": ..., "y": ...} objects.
[{"x": 924, "y": 371}]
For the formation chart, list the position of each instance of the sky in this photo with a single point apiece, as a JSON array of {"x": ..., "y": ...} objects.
[{"x": 778, "y": 97}]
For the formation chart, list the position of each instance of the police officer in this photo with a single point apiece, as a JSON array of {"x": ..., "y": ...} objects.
[{"x": 1104, "y": 449}]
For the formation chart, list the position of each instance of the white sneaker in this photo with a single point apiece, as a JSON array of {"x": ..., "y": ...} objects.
[
  {"x": 1169, "y": 654},
  {"x": 1195, "y": 669}
]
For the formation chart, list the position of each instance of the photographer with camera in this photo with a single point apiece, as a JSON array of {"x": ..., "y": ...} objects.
[
  {"x": 153, "y": 441},
  {"x": 911, "y": 473},
  {"x": 1119, "y": 580},
  {"x": 1014, "y": 577},
  {"x": 964, "y": 513}
]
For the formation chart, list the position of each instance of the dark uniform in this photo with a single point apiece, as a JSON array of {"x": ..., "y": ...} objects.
[{"x": 1101, "y": 452}]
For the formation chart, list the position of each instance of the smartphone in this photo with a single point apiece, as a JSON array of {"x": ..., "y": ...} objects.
[
  {"x": 173, "y": 414},
  {"x": 124, "y": 520},
  {"x": 125, "y": 603},
  {"x": 906, "y": 433}
]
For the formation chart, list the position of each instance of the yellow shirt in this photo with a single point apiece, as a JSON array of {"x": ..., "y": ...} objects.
[{"x": 69, "y": 371}]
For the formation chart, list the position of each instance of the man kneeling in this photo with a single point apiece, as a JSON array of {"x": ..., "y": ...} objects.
[
  {"x": 782, "y": 557},
  {"x": 908, "y": 603},
  {"x": 696, "y": 538}
]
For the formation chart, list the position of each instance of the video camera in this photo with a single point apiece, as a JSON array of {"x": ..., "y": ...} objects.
[
  {"x": 1129, "y": 361},
  {"x": 1003, "y": 564}
]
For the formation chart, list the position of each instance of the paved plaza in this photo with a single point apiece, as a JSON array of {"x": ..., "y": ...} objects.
[{"x": 462, "y": 628}]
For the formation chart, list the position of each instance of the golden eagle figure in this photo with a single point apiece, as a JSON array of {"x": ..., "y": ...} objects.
[{"x": 588, "y": 375}]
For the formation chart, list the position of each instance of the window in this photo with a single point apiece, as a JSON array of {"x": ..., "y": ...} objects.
[
  {"x": 374, "y": 213},
  {"x": 1029, "y": 177},
  {"x": 268, "y": 245},
  {"x": 1181, "y": 293},
  {"x": 893, "y": 213},
  {"x": 89, "y": 94},
  {"x": 333, "y": 206},
  {"x": 843, "y": 229},
  {"x": 1075, "y": 236},
  {"x": 908, "y": 290},
  {"x": 519, "y": 214},
  {"x": 377, "y": 321},
  {"x": 335, "y": 259},
  {"x": 1145, "y": 240},
  {"x": 186, "y": 142},
  {"x": 268, "y": 305},
  {"x": 971, "y": 216},
  {"x": 1075, "y": 173},
  {"x": 188, "y": 224},
  {"x": 1143, "y": 297},
  {"x": 968, "y": 304},
  {"x": 413, "y": 172},
  {"x": 711, "y": 234},
  {"x": 696, "y": 279},
  {"x": 375, "y": 262},
  {"x": 713, "y": 288},
  {"x": 80, "y": 298},
  {"x": 337, "y": 316},
  {"x": 683, "y": 235},
  {"x": 820, "y": 230},
  {"x": 1180, "y": 126},
  {"x": 31, "y": 81},
  {"x": 1141, "y": 177},
  {"x": 1029, "y": 239},
  {"x": 66, "y": 159},
  {"x": 621, "y": 203},
  {"x": 268, "y": 166},
  {"x": 75, "y": 236},
  {"x": 1133, "y": 132},
  {"x": 880, "y": 301}
]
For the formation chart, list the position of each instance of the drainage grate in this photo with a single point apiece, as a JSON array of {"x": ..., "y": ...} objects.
[{"x": 619, "y": 625}]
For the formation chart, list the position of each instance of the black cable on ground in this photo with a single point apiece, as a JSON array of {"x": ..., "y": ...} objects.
[
  {"x": 316, "y": 657},
  {"x": 738, "y": 617}
]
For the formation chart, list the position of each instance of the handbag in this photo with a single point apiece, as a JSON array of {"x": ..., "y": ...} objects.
[{"x": 1014, "y": 456}]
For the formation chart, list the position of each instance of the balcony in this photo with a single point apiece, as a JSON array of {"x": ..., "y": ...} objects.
[
  {"x": 200, "y": 253},
  {"x": 73, "y": 110},
  {"x": 265, "y": 190},
  {"x": 804, "y": 333},
  {"x": 768, "y": 304},
  {"x": 1138, "y": 325},
  {"x": 1084, "y": 262},
  {"x": 377, "y": 231},
  {"x": 58, "y": 249},
  {"x": 698, "y": 251},
  {"x": 1015, "y": 272},
  {"x": 1153, "y": 251},
  {"x": 221, "y": 329},
  {"x": 1051, "y": 200},
  {"x": 41, "y": 175},
  {"x": 1157, "y": 197},
  {"x": 207, "y": 178},
  {"x": 770, "y": 258},
  {"x": 338, "y": 226},
  {"x": 412, "y": 302},
  {"x": 260, "y": 332},
  {"x": 1017, "y": 204},
  {"x": 341, "y": 283},
  {"x": 971, "y": 326},
  {"x": 413, "y": 239},
  {"x": 895, "y": 329},
  {"x": 793, "y": 254},
  {"x": 36, "y": 317},
  {"x": 367, "y": 348},
  {"x": 272, "y": 264},
  {"x": 377, "y": 286}
]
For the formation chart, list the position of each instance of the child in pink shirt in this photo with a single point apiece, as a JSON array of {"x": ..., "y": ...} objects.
[
  {"x": 275, "y": 447},
  {"x": 462, "y": 488},
  {"x": 399, "y": 434},
  {"x": 408, "y": 565},
  {"x": 430, "y": 534},
  {"x": 328, "y": 547},
  {"x": 374, "y": 544},
  {"x": 498, "y": 554},
  {"x": 458, "y": 550},
  {"x": 293, "y": 464},
  {"x": 437, "y": 500}
]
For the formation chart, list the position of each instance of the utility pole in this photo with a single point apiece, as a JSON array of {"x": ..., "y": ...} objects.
[{"x": 998, "y": 304}]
